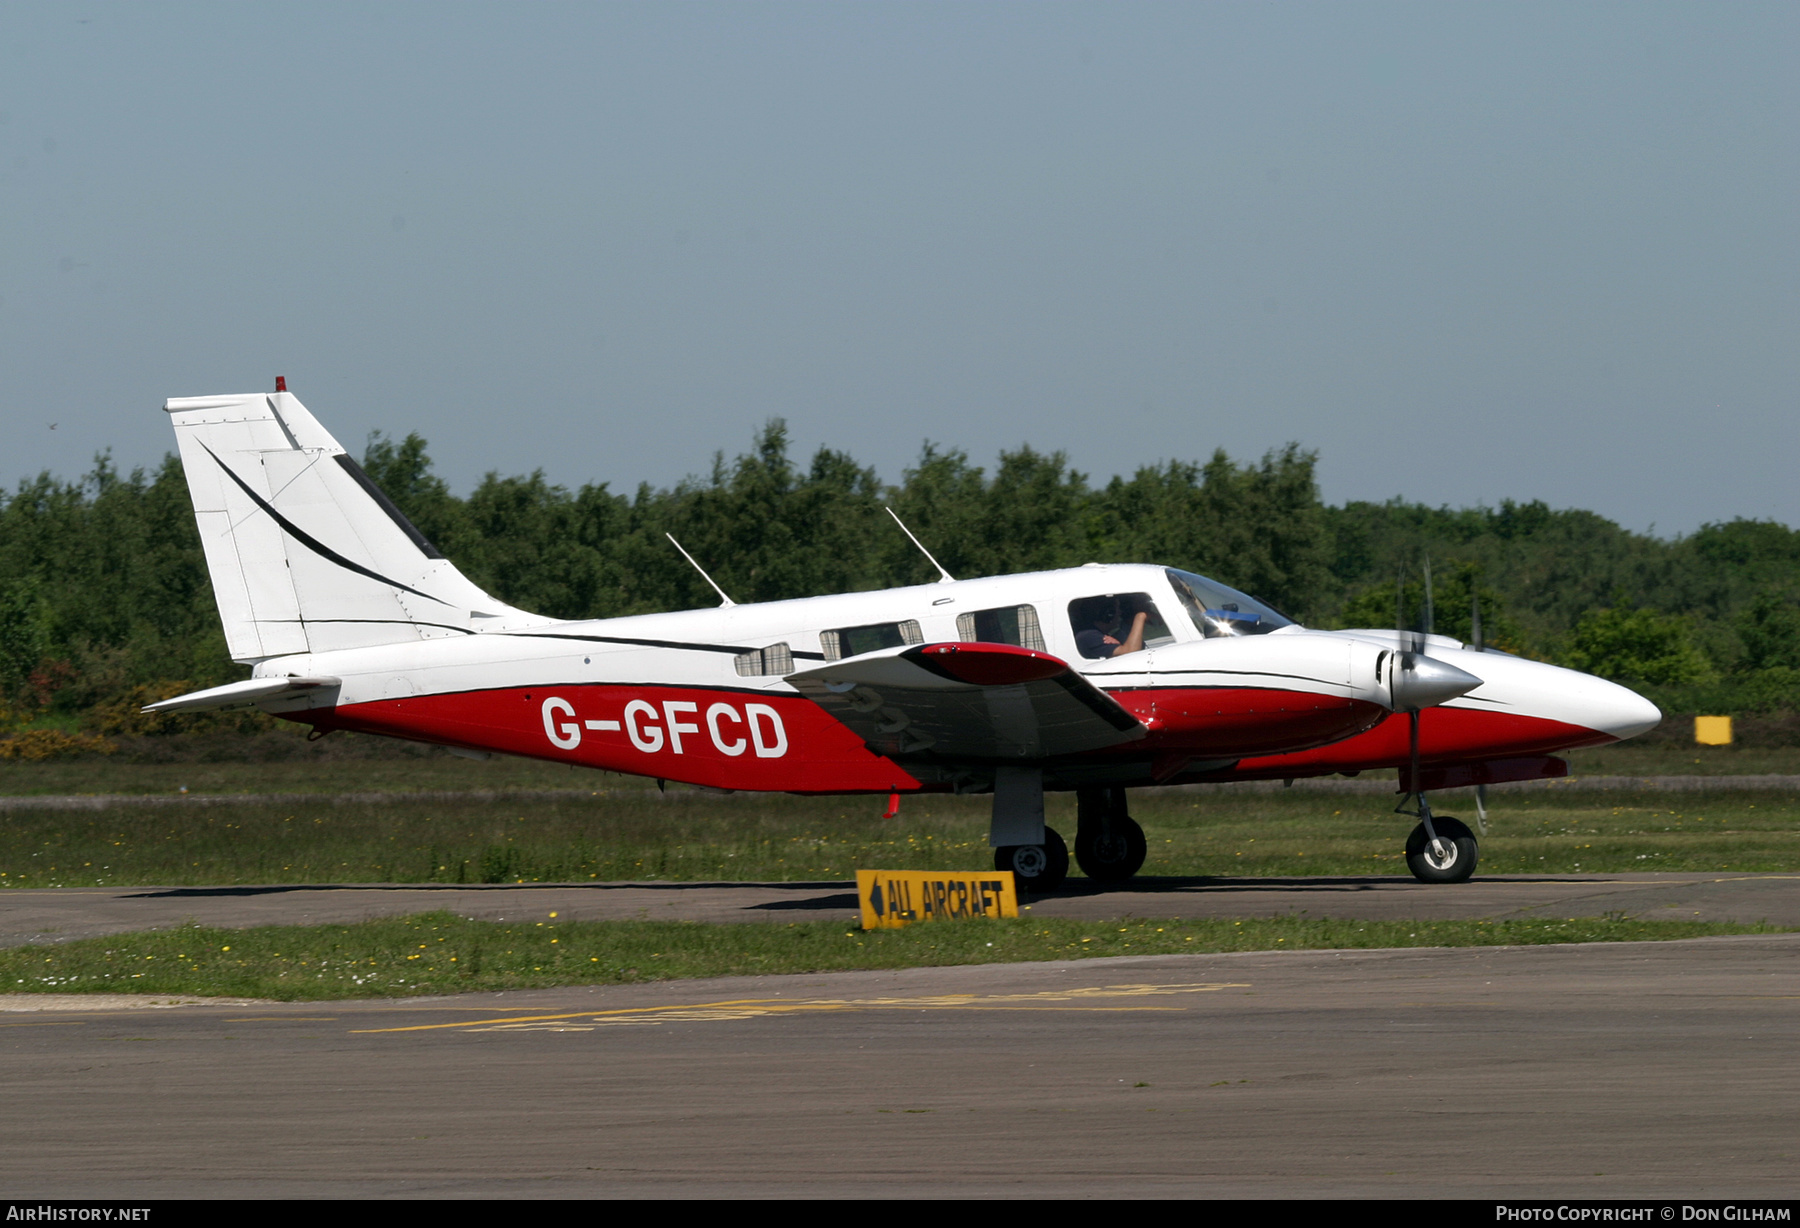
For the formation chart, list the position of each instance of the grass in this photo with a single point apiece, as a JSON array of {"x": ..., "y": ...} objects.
[
  {"x": 1673, "y": 757},
  {"x": 309, "y": 774},
  {"x": 640, "y": 834},
  {"x": 438, "y": 953}
]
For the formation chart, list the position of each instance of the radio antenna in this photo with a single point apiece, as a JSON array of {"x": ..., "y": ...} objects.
[
  {"x": 724, "y": 601},
  {"x": 947, "y": 577}
]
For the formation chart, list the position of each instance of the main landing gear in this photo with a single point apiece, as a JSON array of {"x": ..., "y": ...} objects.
[
  {"x": 1440, "y": 849},
  {"x": 1021, "y": 842},
  {"x": 1036, "y": 868},
  {"x": 1109, "y": 844}
]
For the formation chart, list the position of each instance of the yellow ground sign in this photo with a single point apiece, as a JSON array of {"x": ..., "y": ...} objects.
[
  {"x": 1712, "y": 730},
  {"x": 893, "y": 898}
]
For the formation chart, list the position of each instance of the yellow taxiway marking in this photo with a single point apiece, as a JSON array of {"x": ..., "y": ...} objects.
[
  {"x": 48, "y": 1023},
  {"x": 285, "y": 1019},
  {"x": 1084, "y": 999}
]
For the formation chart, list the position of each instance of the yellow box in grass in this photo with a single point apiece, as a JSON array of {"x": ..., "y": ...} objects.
[
  {"x": 1712, "y": 730},
  {"x": 893, "y": 898}
]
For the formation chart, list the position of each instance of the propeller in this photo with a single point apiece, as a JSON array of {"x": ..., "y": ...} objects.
[
  {"x": 1427, "y": 621},
  {"x": 1417, "y": 682},
  {"x": 1475, "y": 643}
]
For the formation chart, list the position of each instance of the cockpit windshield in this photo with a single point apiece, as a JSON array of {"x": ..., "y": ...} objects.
[{"x": 1217, "y": 610}]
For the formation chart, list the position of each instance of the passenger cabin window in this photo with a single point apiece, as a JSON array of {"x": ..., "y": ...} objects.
[
  {"x": 1103, "y": 624},
  {"x": 1013, "y": 624},
  {"x": 776, "y": 659},
  {"x": 1219, "y": 611},
  {"x": 854, "y": 641}
]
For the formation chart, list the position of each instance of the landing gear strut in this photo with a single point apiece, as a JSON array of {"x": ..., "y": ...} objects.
[
  {"x": 1021, "y": 842},
  {"x": 1109, "y": 845}
]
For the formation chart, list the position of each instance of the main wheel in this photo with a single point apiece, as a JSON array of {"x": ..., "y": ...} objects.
[
  {"x": 1451, "y": 861},
  {"x": 1111, "y": 853},
  {"x": 1036, "y": 868}
]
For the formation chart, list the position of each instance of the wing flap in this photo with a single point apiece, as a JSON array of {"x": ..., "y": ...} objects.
[{"x": 968, "y": 701}]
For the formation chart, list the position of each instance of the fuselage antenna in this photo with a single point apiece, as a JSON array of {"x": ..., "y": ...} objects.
[
  {"x": 947, "y": 577},
  {"x": 724, "y": 601}
]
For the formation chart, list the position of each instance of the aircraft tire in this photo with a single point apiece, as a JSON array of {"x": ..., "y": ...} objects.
[
  {"x": 1454, "y": 867},
  {"x": 1111, "y": 854},
  {"x": 1036, "y": 868}
]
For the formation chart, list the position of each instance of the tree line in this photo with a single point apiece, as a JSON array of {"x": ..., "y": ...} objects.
[{"x": 104, "y": 596}]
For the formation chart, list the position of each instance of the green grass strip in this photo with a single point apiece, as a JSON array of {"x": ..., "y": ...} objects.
[
  {"x": 772, "y": 838},
  {"x": 435, "y": 953}
]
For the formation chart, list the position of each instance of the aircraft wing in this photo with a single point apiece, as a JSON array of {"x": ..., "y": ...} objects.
[{"x": 968, "y": 701}]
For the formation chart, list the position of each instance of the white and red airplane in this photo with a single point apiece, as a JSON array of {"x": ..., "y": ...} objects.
[{"x": 1093, "y": 679}]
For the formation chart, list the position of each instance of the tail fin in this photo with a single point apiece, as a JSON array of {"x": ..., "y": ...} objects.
[{"x": 306, "y": 553}]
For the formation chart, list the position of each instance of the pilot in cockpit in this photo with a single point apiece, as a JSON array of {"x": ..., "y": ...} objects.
[{"x": 1100, "y": 620}]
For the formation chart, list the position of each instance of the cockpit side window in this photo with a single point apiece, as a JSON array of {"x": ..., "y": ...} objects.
[
  {"x": 1103, "y": 624},
  {"x": 1220, "y": 611}
]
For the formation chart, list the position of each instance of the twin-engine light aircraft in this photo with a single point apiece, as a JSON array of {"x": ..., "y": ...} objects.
[{"x": 1094, "y": 679}]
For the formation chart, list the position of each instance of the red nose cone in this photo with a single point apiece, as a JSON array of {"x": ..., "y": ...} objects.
[{"x": 281, "y": 383}]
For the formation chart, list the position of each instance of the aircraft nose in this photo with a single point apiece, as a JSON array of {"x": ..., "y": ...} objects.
[{"x": 1627, "y": 714}]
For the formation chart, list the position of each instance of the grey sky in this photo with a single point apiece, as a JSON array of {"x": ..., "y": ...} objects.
[{"x": 1466, "y": 252}]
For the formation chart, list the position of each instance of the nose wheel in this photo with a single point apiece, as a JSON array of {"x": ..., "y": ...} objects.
[
  {"x": 1450, "y": 858},
  {"x": 1036, "y": 868}
]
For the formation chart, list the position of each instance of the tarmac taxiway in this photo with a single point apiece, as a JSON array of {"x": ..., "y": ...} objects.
[
  {"x": 1638, "y": 1070},
  {"x": 1634, "y": 1070}
]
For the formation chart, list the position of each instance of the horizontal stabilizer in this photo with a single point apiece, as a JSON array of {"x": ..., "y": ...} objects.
[
  {"x": 968, "y": 701},
  {"x": 241, "y": 694}
]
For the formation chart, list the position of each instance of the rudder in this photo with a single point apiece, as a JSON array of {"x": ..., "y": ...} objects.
[{"x": 305, "y": 552}]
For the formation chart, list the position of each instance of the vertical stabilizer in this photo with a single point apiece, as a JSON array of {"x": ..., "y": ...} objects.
[{"x": 306, "y": 553}]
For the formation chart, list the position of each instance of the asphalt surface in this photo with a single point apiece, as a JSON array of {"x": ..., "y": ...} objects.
[
  {"x": 58, "y": 914},
  {"x": 1642, "y": 1070}
]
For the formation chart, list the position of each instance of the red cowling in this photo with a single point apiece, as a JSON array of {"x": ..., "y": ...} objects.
[{"x": 987, "y": 664}]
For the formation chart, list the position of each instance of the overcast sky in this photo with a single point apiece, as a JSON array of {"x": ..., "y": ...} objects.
[{"x": 1466, "y": 252}]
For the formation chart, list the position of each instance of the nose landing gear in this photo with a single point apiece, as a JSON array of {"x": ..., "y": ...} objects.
[
  {"x": 1440, "y": 849},
  {"x": 1448, "y": 859}
]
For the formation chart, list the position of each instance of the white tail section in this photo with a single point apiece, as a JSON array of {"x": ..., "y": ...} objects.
[{"x": 306, "y": 553}]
